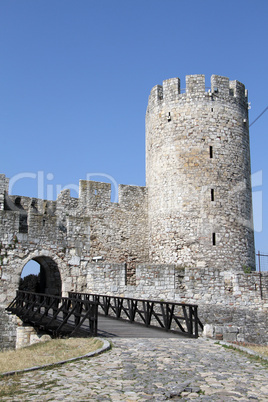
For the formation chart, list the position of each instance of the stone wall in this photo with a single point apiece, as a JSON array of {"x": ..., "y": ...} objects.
[
  {"x": 184, "y": 285},
  {"x": 234, "y": 305},
  {"x": 4, "y": 182},
  {"x": 64, "y": 236},
  {"x": 8, "y": 330}
]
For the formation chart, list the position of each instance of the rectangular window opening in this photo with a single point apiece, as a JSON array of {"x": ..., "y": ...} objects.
[
  {"x": 214, "y": 239},
  {"x": 212, "y": 194},
  {"x": 211, "y": 152}
]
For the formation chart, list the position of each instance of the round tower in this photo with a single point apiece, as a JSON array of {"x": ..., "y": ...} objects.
[{"x": 198, "y": 174}]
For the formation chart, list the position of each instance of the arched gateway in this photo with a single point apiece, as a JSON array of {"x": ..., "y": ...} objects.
[
  {"x": 52, "y": 269},
  {"x": 50, "y": 279}
]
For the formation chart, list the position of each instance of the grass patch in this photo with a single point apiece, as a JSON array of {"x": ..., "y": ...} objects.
[
  {"x": 47, "y": 353},
  {"x": 249, "y": 356},
  {"x": 261, "y": 350}
]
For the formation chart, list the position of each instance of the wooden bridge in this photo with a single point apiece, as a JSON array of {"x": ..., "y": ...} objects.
[{"x": 84, "y": 314}]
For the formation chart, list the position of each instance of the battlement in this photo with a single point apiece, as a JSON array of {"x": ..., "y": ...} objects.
[
  {"x": 127, "y": 193},
  {"x": 94, "y": 193},
  {"x": 4, "y": 182},
  {"x": 98, "y": 195},
  {"x": 221, "y": 88}
]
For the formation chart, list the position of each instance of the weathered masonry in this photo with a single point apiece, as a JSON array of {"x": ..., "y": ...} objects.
[
  {"x": 186, "y": 236},
  {"x": 198, "y": 174}
]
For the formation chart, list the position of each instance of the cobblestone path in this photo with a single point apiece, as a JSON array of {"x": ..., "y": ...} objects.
[{"x": 150, "y": 370}]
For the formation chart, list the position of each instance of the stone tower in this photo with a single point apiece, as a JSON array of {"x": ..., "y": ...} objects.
[{"x": 198, "y": 174}]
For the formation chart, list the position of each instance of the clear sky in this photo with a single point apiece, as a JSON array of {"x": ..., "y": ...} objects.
[{"x": 75, "y": 77}]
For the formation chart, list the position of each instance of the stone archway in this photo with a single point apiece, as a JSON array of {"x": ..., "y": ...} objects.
[{"x": 50, "y": 277}]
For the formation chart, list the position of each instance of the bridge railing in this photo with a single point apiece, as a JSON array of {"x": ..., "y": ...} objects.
[
  {"x": 176, "y": 317},
  {"x": 60, "y": 315}
]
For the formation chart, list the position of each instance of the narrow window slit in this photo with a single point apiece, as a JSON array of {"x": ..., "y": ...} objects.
[
  {"x": 214, "y": 239},
  {"x": 212, "y": 194},
  {"x": 211, "y": 152}
]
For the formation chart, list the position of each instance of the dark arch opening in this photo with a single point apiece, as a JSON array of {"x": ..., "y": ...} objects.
[{"x": 47, "y": 280}]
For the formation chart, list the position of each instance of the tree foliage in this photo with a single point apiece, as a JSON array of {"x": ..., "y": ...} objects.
[{"x": 30, "y": 283}]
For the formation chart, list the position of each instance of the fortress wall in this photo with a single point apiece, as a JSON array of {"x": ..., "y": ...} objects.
[
  {"x": 72, "y": 232},
  {"x": 9, "y": 225},
  {"x": 231, "y": 305},
  {"x": 4, "y": 182},
  {"x": 202, "y": 285},
  {"x": 8, "y": 330},
  {"x": 94, "y": 195}
]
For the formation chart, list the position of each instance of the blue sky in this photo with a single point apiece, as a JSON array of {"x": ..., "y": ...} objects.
[{"x": 75, "y": 77}]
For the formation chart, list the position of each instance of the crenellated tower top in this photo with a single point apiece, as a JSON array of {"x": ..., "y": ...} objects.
[{"x": 221, "y": 88}]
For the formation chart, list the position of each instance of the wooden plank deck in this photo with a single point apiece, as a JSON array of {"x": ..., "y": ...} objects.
[{"x": 110, "y": 327}]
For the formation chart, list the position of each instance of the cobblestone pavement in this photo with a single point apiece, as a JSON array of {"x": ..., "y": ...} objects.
[{"x": 150, "y": 370}]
